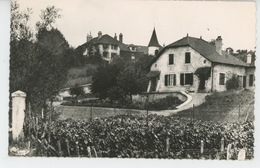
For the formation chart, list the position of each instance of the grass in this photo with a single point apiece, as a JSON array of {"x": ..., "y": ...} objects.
[
  {"x": 224, "y": 106},
  {"x": 80, "y": 75}
]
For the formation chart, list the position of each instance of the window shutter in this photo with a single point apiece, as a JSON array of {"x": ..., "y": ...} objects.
[
  {"x": 182, "y": 79},
  {"x": 166, "y": 80},
  {"x": 171, "y": 59},
  {"x": 174, "y": 79}
]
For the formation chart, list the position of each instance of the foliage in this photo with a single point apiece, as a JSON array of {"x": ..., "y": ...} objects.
[
  {"x": 77, "y": 90},
  {"x": 116, "y": 98},
  {"x": 169, "y": 102},
  {"x": 103, "y": 80},
  {"x": 129, "y": 81},
  {"x": 129, "y": 136},
  {"x": 37, "y": 67},
  {"x": 128, "y": 76},
  {"x": 48, "y": 18},
  {"x": 20, "y": 28},
  {"x": 232, "y": 83},
  {"x": 94, "y": 56},
  {"x": 116, "y": 94}
]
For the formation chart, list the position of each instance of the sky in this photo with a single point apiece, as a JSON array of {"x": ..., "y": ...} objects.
[{"x": 234, "y": 21}]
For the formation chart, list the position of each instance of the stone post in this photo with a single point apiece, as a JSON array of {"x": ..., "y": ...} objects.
[{"x": 18, "y": 114}]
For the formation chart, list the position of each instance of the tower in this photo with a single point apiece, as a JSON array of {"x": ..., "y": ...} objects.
[{"x": 153, "y": 46}]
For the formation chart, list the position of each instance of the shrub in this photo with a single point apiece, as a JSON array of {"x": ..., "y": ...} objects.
[
  {"x": 169, "y": 102},
  {"x": 232, "y": 83}
]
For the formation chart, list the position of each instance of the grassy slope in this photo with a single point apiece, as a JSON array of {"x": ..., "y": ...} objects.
[
  {"x": 80, "y": 75},
  {"x": 224, "y": 106}
]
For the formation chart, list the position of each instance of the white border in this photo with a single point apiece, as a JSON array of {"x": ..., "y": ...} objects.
[{"x": 6, "y": 162}]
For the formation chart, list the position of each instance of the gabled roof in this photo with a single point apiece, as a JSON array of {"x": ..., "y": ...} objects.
[
  {"x": 105, "y": 39},
  {"x": 139, "y": 48},
  {"x": 206, "y": 49},
  {"x": 154, "y": 41}
]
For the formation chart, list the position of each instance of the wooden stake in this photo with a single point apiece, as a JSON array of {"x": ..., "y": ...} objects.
[
  {"x": 222, "y": 145},
  {"x": 68, "y": 146},
  {"x": 201, "y": 146}
]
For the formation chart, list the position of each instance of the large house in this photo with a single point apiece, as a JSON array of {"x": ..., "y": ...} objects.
[
  {"x": 110, "y": 47},
  {"x": 193, "y": 64}
]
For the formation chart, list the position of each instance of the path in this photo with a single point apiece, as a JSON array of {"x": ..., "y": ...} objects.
[
  {"x": 193, "y": 98},
  {"x": 82, "y": 112}
]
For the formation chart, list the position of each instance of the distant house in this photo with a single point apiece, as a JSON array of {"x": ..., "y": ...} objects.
[
  {"x": 193, "y": 64},
  {"x": 110, "y": 47}
]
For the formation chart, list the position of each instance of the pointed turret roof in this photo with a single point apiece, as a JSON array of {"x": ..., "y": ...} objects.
[{"x": 154, "y": 40}]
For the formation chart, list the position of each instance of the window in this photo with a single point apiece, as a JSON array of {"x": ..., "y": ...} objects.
[
  {"x": 221, "y": 79},
  {"x": 105, "y": 54},
  {"x": 186, "y": 79},
  {"x": 187, "y": 57},
  {"x": 114, "y": 47},
  {"x": 170, "y": 80},
  {"x": 251, "y": 80},
  {"x": 171, "y": 59}
]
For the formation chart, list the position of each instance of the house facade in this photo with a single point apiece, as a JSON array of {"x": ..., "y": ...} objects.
[{"x": 193, "y": 64}]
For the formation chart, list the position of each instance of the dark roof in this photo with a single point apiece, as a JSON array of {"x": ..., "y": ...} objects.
[
  {"x": 203, "y": 71},
  {"x": 139, "y": 48},
  {"x": 205, "y": 49},
  {"x": 105, "y": 39},
  {"x": 154, "y": 40},
  {"x": 143, "y": 49},
  {"x": 152, "y": 74}
]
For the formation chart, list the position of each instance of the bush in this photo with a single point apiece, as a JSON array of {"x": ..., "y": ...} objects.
[
  {"x": 169, "y": 102},
  {"x": 232, "y": 83}
]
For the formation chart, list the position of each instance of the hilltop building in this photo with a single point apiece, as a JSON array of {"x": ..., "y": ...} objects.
[{"x": 110, "y": 47}]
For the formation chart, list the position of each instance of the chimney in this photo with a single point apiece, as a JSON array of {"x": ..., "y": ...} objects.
[
  {"x": 249, "y": 59},
  {"x": 115, "y": 37},
  {"x": 89, "y": 37},
  {"x": 218, "y": 44},
  {"x": 121, "y": 37},
  {"x": 99, "y": 34}
]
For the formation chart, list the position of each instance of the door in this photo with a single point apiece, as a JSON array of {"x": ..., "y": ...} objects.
[
  {"x": 202, "y": 84},
  {"x": 153, "y": 84},
  {"x": 244, "y": 81}
]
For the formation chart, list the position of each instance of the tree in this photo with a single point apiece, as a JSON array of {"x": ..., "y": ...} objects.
[
  {"x": 104, "y": 79},
  {"x": 36, "y": 68},
  {"x": 20, "y": 28},
  {"x": 77, "y": 90},
  {"x": 121, "y": 79},
  {"x": 232, "y": 83},
  {"x": 130, "y": 83},
  {"x": 48, "y": 18},
  {"x": 94, "y": 56}
]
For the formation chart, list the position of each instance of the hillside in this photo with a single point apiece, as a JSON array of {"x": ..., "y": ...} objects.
[
  {"x": 224, "y": 106},
  {"x": 80, "y": 75}
]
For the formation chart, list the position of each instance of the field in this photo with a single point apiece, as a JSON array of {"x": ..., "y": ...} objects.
[
  {"x": 86, "y": 113},
  {"x": 224, "y": 106}
]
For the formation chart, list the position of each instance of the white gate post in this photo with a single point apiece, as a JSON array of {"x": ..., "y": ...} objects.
[{"x": 18, "y": 114}]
